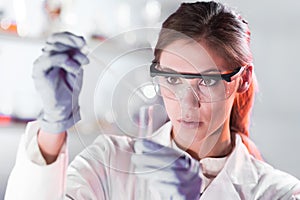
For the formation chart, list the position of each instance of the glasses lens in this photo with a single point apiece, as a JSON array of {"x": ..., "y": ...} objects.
[
  {"x": 212, "y": 90},
  {"x": 170, "y": 87},
  {"x": 207, "y": 89}
]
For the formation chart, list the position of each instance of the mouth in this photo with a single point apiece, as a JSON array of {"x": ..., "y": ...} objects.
[{"x": 190, "y": 124}]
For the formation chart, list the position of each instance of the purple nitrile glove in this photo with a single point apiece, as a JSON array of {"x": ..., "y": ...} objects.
[
  {"x": 173, "y": 174},
  {"x": 57, "y": 76}
]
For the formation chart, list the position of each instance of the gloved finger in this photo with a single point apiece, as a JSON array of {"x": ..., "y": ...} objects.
[
  {"x": 148, "y": 146},
  {"x": 72, "y": 52},
  {"x": 159, "y": 175},
  {"x": 148, "y": 163},
  {"x": 175, "y": 175},
  {"x": 183, "y": 167},
  {"x": 45, "y": 62},
  {"x": 81, "y": 58},
  {"x": 191, "y": 189},
  {"x": 67, "y": 38},
  {"x": 56, "y": 47},
  {"x": 75, "y": 82},
  {"x": 160, "y": 161},
  {"x": 170, "y": 184},
  {"x": 162, "y": 154}
]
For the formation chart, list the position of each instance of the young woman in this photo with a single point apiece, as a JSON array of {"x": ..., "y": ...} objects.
[{"x": 203, "y": 71}]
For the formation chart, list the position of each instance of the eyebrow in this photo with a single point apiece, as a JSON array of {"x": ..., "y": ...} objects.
[
  {"x": 225, "y": 76},
  {"x": 208, "y": 71}
]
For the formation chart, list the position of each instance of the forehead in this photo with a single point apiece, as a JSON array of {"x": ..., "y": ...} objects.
[{"x": 191, "y": 56}]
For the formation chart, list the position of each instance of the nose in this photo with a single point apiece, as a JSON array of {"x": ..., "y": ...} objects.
[{"x": 190, "y": 99}]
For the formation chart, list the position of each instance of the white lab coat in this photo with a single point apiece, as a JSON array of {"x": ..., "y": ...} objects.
[{"x": 103, "y": 171}]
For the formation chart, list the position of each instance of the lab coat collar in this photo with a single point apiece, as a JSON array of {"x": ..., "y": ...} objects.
[
  {"x": 238, "y": 170},
  {"x": 238, "y": 167}
]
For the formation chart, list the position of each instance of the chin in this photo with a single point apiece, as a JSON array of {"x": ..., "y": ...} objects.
[{"x": 187, "y": 135}]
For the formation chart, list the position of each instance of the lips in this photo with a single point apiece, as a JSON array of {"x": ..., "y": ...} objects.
[{"x": 190, "y": 123}]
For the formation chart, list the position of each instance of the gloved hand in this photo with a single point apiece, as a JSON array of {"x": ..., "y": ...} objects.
[
  {"x": 57, "y": 76},
  {"x": 174, "y": 175}
]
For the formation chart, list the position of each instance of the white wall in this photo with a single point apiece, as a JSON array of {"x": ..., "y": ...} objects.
[{"x": 275, "y": 33}]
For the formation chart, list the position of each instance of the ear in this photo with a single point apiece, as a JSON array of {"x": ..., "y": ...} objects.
[{"x": 246, "y": 79}]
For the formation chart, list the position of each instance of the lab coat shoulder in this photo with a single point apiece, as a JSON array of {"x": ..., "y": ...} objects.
[
  {"x": 102, "y": 170},
  {"x": 273, "y": 183},
  {"x": 31, "y": 180},
  {"x": 245, "y": 177}
]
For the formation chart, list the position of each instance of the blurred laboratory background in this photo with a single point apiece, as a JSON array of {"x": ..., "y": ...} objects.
[{"x": 120, "y": 35}]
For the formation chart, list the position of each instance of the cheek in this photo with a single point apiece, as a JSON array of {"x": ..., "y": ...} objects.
[
  {"x": 172, "y": 108},
  {"x": 220, "y": 112}
]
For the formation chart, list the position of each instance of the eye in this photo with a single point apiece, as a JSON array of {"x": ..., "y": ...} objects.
[
  {"x": 173, "y": 80},
  {"x": 208, "y": 82}
]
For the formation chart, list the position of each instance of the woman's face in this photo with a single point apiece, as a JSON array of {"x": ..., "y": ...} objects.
[{"x": 193, "y": 120}]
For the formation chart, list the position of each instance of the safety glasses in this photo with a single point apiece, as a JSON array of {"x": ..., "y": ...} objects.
[{"x": 208, "y": 87}]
